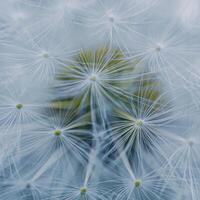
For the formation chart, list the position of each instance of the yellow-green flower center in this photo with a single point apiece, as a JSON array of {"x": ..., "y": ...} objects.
[
  {"x": 137, "y": 183},
  {"x": 93, "y": 77},
  {"x": 57, "y": 132},
  {"x": 139, "y": 122},
  {"x": 83, "y": 190},
  {"x": 19, "y": 106}
]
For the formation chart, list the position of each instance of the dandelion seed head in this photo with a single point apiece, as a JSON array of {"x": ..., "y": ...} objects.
[
  {"x": 57, "y": 132},
  {"x": 137, "y": 183},
  {"x": 102, "y": 116},
  {"x": 83, "y": 190},
  {"x": 19, "y": 106}
]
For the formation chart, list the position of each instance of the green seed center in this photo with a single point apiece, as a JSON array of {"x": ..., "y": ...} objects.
[
  {"x": 137, "y": 183},
  {"x": 93, "y": 77},
  {"x": 45, "y": 55},
  {"x": 19, "y": 106},
  {"x": 57, "y": 132},
  {"x": 83, "y": 190},
  {"x": 139, "y": 122}
]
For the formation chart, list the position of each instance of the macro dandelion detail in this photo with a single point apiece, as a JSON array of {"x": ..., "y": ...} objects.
[{"x": 99, "y": 100}]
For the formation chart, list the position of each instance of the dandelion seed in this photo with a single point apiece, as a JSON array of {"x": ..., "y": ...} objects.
[
  {"x": 185, "y": 157},
  {"x": 111, "y": 22},
  {"x": 151, "y": 185},
  {"x": 82, "y": 183},
  {"x": 38, "y": 58},
  {"x": 16, "y": 182},
  {"x": 21, "y": 97},
  {"x": 98, "y": 77},
  {"x": 72, "y": 137},
  {"x": 166, "y": 51},
  {"x": 141, "y": 126}
]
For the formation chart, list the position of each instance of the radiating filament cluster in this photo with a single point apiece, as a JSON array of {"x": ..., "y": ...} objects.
[{"x": 99, "y": 100}]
